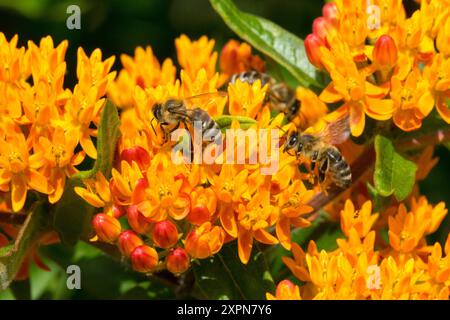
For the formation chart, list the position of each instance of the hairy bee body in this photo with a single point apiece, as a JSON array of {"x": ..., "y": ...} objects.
[
  {"x": 327, "y": 158},
  {"x": 208, "y": 125},
  {"x": 281, "y": 97},
  {"x": 171, "y": 113}
]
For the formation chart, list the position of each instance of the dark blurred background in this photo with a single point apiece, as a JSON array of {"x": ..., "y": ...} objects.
[{"x": 118, "y": 27}]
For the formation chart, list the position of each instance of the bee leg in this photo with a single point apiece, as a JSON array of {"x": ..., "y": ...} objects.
[
  {"x": 323, "y": 167},
  {"x": 314, "y": 159}
]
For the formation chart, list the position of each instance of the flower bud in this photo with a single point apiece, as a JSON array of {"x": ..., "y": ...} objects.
[
  {"x": 286, "y": 290},
  {"x": 106, "y": 227},
  {"x": 128, "y": 241},
  {"x": 204, "y": 241},
  {"x": 137, "y": 221},
  {"x": 144, "y": 259},
  {"x": 139, "y": 193},
  {"x": 313, "y": 43},
  {"x": 136, "y": 154},
  {"x": 204, "y": 203},
  {"x": 118, "y": 211},
  {"x": 165, "y": 234},
  {"x": 330, "y": 12},
  {"x": 321, "y": 28},
  {"x": 177, "y": 261},
  {"x": 385, "y": 52}
]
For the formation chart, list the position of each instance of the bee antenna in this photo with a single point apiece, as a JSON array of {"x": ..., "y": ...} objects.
[
  {"x": 151, "y": 123},
  {"x": 281, "y": 129}
]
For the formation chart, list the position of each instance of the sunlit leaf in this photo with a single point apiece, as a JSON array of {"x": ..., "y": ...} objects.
[{"x": 394, "y": 174}]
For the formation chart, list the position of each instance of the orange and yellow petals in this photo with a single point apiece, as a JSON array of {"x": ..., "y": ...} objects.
[
  {"x": 142, "y": 70},
  {"x": 196, "y": 55},
  {"x": 286, "y": 290},
  {"x": 246, "y": 99},
  {"x": 361, "y": 220},
  {"x": 204, "y": 241},
  {"x": 237, "y": 57}
]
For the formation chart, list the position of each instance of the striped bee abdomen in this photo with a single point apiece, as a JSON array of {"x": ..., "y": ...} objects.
[{"x": 339, "y": 168}]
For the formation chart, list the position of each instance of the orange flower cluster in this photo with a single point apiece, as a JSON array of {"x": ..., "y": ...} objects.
[
  {"x": 399, "y": 65},
  {"x": 188, "y": 211},
  {"x": 364, "y": 266},
  {"x": 41, "y": 122}
]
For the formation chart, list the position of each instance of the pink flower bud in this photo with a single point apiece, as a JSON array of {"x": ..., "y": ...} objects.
[
  {"x": 321, "y": 28},
  {"x": 330, "y": 12},
  {"x": 313, "y": 43}
]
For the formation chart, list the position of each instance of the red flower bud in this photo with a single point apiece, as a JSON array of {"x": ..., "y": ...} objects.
[
  {"x": 321, "y": 28},
  {"x": 106, "y": 227},
  {"x": 385, "y": 52},
  {"x": 177, "y": 261},
  {"x": 144, "y": 259},
  {"x": 165, "y": 234},
  {"x": 286, "y": 290},
  {"x": 330, "y": 12},
  {"x": 118, "y": 211},
  {"x": 128, "y": 241},
  {"x": 139, "y": 191},
  {"x": 199, "y": 214},
  {"x": 137, "y": 221},
  {"x": 136, "y": 154},
  {"x": 313, "y": 43}
]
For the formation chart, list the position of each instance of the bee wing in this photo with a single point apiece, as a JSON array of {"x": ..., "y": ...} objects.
[
  {"x": 334, "y": 128},
  {"x": 204, "y": 99}
]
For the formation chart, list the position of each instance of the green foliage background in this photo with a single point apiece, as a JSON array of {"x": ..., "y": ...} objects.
[{"x": 118, "y": 27}]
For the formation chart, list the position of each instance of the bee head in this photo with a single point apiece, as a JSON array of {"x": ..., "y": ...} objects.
[
  {"x": 157, "y": 111},
  {"x": 291, "y": 142},
  {"x": 293, "y": 109}
]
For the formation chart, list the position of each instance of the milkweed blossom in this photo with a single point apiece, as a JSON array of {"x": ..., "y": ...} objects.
[
  {"x": 392, "y": 72},
  {"x": 42, "y": 123},
  {"x": 387, "y": 72}
]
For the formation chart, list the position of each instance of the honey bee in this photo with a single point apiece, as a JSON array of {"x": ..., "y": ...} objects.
[
  {"x": 174, "y": 112},
  {"x": 319, "y": 148},
  {"x": 281, "y": 97}
]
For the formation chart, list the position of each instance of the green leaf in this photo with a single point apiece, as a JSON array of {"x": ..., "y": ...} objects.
[
  {"x": 72, "y": 214},
  {"x": 394, "y": 174},
  {"x": 226, "y": 120},
  {"x": 272, "y": 40},
  {"x": 108, "y": 134},
  {"x": 36, "y": 224},
  {"x": 225, "y": 277}
]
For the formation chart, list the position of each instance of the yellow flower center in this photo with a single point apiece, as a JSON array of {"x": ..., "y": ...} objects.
[
  {"x": 252, "y": 217},
  {"x": 58, "y": 152},
  {"x": 406, "y": 95},
  {"x": 228, "y": 186},
  {"x": 164, "y": 191},
  {"x": 294, "y": 201},
  {"x": 16, "y": 162}
]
